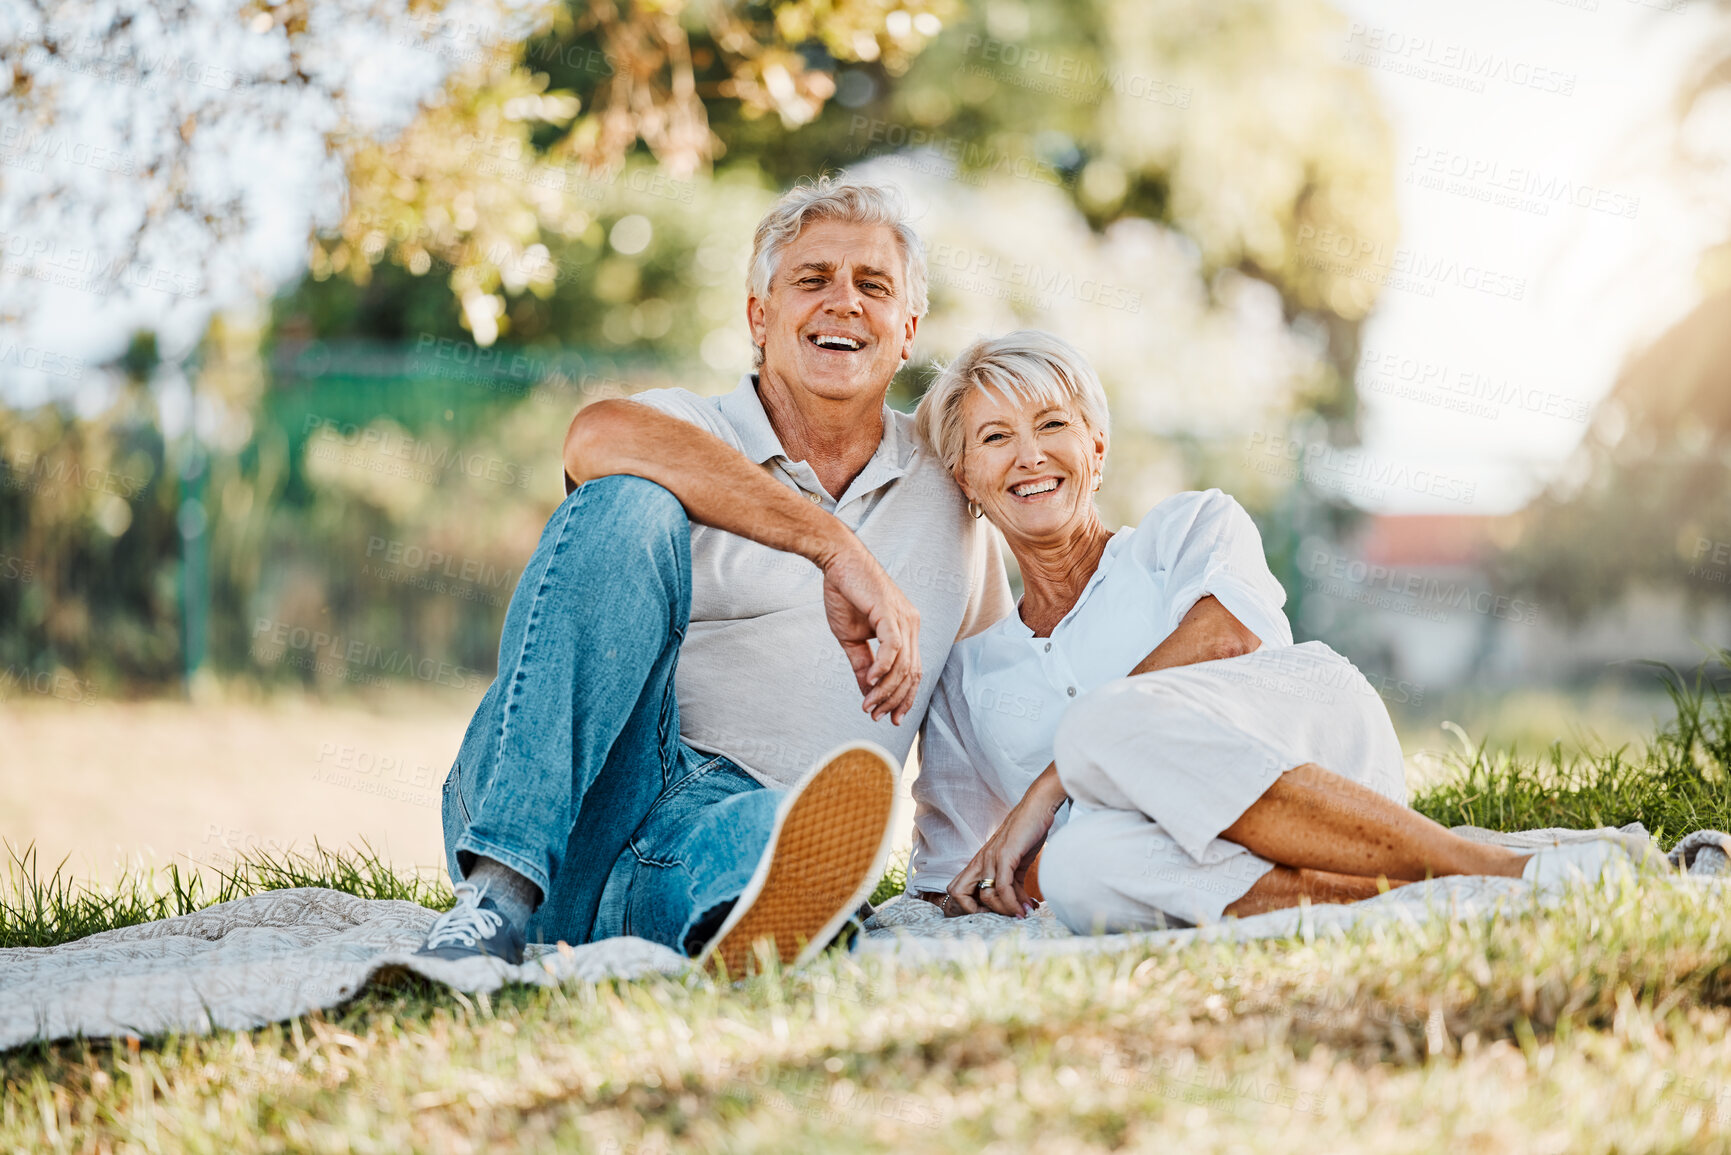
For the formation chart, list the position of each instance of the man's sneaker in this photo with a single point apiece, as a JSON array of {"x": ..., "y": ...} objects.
[
  {"x": 831, "y": 835},
  {"x": 473, "y": 928}
]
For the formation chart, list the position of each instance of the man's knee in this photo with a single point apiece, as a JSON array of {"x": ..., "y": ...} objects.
[{"x": 633, "y": 500}]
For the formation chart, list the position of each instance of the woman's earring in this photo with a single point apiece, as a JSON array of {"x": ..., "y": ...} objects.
[
  {"x": 1098, "y": 478},
  {"x": 975, "y": 508}
]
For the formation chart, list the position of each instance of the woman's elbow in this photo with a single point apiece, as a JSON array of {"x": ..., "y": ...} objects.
[{"x": 1232, "y": 639}]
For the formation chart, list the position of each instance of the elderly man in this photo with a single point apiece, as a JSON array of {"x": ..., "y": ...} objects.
[{"x": 725, "y": 580}]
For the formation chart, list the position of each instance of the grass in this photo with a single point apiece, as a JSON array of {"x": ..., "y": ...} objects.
[
  {"x": 1678, "y": 781},
  {"x": 1603, "y": 1026},
  {"x": 37, "y": 911}
]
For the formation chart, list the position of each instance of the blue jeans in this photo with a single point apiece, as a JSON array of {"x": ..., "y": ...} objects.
[{"x": 572, "y": 772}]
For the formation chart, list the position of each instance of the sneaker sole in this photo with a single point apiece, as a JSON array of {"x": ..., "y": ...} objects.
[{"x": 828, "y": 845}]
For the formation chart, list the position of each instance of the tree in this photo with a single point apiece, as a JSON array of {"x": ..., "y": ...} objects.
[{"x": 1645, "y": 502}]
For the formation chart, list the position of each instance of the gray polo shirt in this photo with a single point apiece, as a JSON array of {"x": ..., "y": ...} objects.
[{"x": 760, "y": 677}]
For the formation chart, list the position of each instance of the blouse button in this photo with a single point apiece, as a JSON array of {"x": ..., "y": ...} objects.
[
  {"x": 815, "y": 499},
  {"x": 1048, "y": 647},
  {"x": 1071, "y": 691}
]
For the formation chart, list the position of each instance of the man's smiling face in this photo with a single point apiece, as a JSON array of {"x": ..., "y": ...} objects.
[{"x": 836, "y": 321}]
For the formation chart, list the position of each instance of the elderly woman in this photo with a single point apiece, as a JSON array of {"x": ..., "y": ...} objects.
[{"x": 1146, "y": 708}]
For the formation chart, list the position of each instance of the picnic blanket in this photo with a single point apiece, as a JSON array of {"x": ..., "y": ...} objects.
[{"x": 274, "y": 956}]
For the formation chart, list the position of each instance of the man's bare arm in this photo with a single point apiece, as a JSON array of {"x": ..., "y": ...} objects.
[
  {"x": 719, "y": 487},
  {"x": 713, "y": 481}
]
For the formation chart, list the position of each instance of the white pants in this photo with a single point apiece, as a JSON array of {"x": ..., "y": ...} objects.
[{"x": 1158, "y": 765}]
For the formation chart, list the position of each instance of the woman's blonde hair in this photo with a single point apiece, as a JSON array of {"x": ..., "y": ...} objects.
[{"x": 1030, "y": 364}]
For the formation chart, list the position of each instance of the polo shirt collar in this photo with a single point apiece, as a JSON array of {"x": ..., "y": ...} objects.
[{"x": 743, "y": 409}]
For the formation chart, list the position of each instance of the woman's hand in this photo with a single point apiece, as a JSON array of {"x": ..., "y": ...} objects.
[{"x": 1008, "y": 853}]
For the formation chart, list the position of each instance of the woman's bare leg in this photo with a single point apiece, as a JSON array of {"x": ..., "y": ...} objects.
[
  {"x": 1286, "y": 886},
  {"x": 1313, "y": 819}
]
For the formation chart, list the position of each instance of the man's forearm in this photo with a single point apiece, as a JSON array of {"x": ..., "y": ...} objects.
[{"x": 716, "y": 484}]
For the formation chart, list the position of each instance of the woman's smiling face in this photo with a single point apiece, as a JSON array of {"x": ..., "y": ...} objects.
[{"x": 1031, "y": 463}]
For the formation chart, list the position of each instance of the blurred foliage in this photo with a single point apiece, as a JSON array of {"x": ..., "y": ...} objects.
[
  {"x": 87, "y": 520},
  {"x": 569, "y": 215},
  {"x": 1232, "y": 123},
  {"x": 1646, "y": 503},
  {"x": 501, "y": 160}
]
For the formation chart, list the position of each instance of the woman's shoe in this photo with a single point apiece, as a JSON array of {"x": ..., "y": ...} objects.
[{"x": 1593, "y": 861}]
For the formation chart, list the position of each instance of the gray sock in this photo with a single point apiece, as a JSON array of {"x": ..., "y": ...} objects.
[{"x": 514, "y": 896}]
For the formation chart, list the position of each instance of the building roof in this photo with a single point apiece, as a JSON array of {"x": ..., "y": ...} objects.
[{"x": 1429, "y": 539}]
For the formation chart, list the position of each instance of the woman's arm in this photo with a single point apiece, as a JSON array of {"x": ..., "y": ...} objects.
[{"x": 1208, "y": 633}]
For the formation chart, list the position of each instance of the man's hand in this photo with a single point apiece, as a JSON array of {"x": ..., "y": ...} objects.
[
  {"x": 862, "y": 604},
  {"x": 1008, "y": 853}
]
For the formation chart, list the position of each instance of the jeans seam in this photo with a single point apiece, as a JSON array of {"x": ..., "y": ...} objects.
[
  {"x": 508, "y": 707},
  {"x": 676, "y": 630},
  {"x": 455, "y": 778},
  {"x": 702, "y": 771}
]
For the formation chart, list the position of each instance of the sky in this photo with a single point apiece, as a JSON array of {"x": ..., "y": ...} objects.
[
  {"x": 1508, "y": 308},
  {"x": 1545, "y": 230}
]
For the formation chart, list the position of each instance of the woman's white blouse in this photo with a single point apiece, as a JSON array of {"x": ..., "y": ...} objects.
[{"x": 995, "y": 712}]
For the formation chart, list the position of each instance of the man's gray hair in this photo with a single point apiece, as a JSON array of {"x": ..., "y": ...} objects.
[
  {"x": 826, "y": 199},
  {"x": 1030, "y": 364}
]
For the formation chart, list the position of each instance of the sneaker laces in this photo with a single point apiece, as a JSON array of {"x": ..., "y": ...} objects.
[{"x": 467, "y": 923}]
